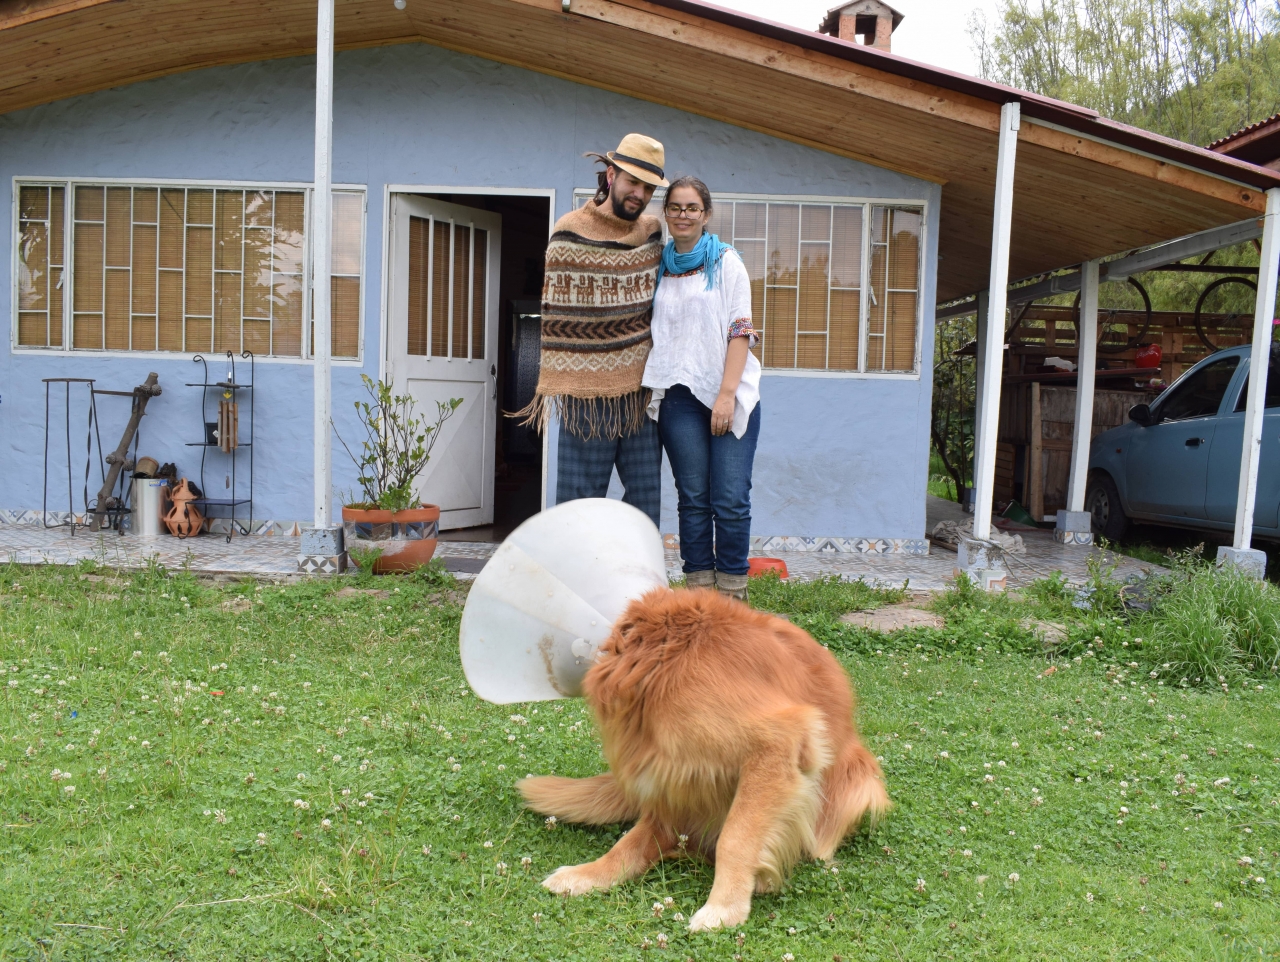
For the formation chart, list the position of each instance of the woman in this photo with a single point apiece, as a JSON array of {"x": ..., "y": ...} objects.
[{"x": 706, "y": 390}]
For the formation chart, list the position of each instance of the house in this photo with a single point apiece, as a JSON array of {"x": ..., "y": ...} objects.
[{"x": 160, "y": 159}]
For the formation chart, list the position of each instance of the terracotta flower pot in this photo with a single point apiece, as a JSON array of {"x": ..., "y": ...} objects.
[{"x": 407, "y": 538}]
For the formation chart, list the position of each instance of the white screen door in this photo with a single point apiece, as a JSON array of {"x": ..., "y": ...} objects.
[{"x": 444, "y": 325}]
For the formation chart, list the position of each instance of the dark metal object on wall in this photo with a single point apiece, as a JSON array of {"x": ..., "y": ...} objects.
[{"x": 225, "y": 438}]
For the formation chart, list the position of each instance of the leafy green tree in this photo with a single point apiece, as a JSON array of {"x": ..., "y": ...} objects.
[{"x": 1195, "y": 70}]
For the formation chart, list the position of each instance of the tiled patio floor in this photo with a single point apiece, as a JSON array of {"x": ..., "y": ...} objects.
[{"x": 276, "y": 557}]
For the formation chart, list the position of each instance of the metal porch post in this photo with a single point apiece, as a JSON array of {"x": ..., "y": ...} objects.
[
  {"x": 1242, "y": 554},
  {"x": 979, "y": 556},
  {"x": 1075, "y": 524},
  {"x": 322, "y": 549}
]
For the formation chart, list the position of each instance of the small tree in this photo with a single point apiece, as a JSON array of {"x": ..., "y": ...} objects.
[
  {"x": 954, "y": 401},
  {"x": 396, "y": 448}
]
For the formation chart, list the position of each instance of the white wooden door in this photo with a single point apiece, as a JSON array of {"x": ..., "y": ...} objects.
[{"x": 442, "y": 343}]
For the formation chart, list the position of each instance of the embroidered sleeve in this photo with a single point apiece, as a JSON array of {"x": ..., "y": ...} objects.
[{"x": 742, "y": 328}]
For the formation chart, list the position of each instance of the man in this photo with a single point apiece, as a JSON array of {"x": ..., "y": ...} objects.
[{"x": 597, "y": 300}]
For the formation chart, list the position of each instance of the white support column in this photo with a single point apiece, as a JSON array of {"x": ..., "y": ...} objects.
[
  {"x": 992, "y": 359},
  {"x": 1241, "y": 553},
  {"x": 322, "y": 262},
  {"x": 1074, "y": 524},
  {"x": 322, "y": 549}
]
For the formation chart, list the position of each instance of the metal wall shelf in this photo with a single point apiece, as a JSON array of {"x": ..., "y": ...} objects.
[{"x": 237, "y": 499}]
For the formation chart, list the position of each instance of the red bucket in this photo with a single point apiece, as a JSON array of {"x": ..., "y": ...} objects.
[{"x": 758, "y": 566}]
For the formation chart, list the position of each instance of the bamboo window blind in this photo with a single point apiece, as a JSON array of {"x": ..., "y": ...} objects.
[
  {"x": 179, "y": 268},
  {"x": 448, "y": 269},
  {"x": 809, "y": 264}
]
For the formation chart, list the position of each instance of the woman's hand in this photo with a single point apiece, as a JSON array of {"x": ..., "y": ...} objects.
[{"x": 722, "y": 414}]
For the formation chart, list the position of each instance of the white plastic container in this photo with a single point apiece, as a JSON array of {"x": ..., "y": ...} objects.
[
  {"x": 150, "y": 503},
  {"x": 550, "y": 595}
]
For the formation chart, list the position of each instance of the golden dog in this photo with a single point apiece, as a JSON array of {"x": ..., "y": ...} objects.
[{"x": 729, "y": 733}]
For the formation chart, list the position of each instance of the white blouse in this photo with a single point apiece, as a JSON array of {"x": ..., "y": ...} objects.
[{"x": 691, "y": 338}]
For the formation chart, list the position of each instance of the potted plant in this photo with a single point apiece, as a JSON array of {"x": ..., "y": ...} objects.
[{"x": 389, "y": 529}]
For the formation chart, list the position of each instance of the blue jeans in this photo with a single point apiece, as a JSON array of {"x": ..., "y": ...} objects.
[
  {"x": 713, "y": 480},
  {"x": 583, "y": 468}
]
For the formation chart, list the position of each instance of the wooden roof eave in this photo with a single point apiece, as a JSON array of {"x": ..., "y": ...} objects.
[{"x": 1105, "y": 186}]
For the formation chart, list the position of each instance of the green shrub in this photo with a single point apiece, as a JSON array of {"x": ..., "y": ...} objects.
[{"x": 1208, "y": 623}]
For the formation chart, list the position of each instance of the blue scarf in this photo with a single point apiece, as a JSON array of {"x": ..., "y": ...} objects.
[{"x": 705, "y": 254}]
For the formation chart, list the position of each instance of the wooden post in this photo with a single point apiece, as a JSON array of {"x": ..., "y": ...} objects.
[
  {"x": 118, "y": 459},
  {"x": 1259, "y": 361},
  {"x": 991, "y": 361},
  {"x": 322, "y": 262},
  {"x": 1035, "y": 473}
]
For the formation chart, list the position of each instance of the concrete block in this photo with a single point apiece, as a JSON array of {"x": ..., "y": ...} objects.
[
  {"x": 988, "y": 579},
  {"x": 322, "y": 541},
  {"x": 1074, "y": 521},
  {"x": 977, "y": 553},
  {"x": 1249, "y": 561}
]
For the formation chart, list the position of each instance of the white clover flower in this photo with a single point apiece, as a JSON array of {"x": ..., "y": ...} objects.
[
  {"x": 1013, "y": 876},
  {"x": 661, "y": 941},
  {"x": 146, "y": 744},
  {"x": 1088, "y": 897},
  {"x": 657, "y": 910},
  {"x": 70, "y": 789},
  {"x": 551, "y": 822},
  {"x": 525, "y": 862},
  {"x": 262, "y": 838},
  {"x": 967, "y": 853},
  {"x": 457, "y": 767},
  {"x": 326, "y": 824},
  {"x": 301, "y": 777}
]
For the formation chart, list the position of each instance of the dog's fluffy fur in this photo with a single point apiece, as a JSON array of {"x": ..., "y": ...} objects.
[{"x": 729, "y": 733}]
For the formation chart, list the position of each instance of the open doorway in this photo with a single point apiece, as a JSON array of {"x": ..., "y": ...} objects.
[{"x": 517, "y": 468}]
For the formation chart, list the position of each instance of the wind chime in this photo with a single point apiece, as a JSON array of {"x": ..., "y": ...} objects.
[{"x": 228, "y": 422}]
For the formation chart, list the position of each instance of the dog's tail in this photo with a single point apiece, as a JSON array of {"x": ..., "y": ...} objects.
[
  {"x": 853, "y": 791},
  {"x": 590, "y": 801}
]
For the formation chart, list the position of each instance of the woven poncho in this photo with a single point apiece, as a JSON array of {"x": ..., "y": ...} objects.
[{"x": 597, "y": 301}]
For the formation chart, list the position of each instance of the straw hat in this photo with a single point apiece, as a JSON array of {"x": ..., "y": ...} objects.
[{"x": 642, "y": 157}]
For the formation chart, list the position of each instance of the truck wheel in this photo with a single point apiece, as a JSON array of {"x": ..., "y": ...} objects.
[{"x": 1102, "y": 501}]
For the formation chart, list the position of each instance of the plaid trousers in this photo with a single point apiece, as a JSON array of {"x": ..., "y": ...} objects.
[{"x": 585, "y": 467}]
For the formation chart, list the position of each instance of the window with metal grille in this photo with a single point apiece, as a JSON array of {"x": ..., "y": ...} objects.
[
  {"x": 179, "y": 268},
  {"x": 835, "y": 285}
]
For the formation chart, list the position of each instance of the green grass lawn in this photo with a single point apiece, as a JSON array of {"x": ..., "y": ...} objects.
[{"x": 255, "y": 771}]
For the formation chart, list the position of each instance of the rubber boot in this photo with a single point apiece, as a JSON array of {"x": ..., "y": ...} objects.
[
  {"x": 700, "y": 579},
  {"x": 732, "y": 586}
]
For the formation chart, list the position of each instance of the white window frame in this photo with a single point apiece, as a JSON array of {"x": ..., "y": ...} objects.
[
  {"x": 582, "y": 194},
  {"x": 70, "y": 183}
]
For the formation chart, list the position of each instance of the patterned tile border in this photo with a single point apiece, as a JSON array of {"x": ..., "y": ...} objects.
[
  {"x": 765, "y": 544},
  {"x": 1073, "y": 537},
  {"x": 760, "y": 544}
]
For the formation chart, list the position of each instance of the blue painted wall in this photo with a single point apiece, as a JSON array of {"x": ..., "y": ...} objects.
[{"x": 837, "y": 456}]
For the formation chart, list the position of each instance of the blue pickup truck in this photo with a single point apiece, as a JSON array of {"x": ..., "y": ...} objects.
[{"x": 1177, "y": 460}]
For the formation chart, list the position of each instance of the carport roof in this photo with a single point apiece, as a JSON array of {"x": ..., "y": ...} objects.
[{"x": 1086, "y": 186}]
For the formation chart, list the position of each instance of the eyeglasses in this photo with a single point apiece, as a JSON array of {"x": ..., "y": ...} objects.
[{"x": 675, "y": 210}]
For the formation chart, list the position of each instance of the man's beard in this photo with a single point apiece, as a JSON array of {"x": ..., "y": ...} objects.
[{"x": 621, "y": 211}]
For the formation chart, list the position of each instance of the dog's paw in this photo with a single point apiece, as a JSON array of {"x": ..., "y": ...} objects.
[
  {"x": 718, "y": 916},
  {"x": 573, "y": 880}
]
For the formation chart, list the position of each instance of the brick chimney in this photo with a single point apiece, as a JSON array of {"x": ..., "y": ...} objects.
[{"x": 868, "y": 22}]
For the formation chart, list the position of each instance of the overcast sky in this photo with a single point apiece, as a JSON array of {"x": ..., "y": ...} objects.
[{"x": 932, "y": 31}]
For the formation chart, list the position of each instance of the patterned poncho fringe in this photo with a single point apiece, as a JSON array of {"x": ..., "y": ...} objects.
[{"x": 597, "y": 304}]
